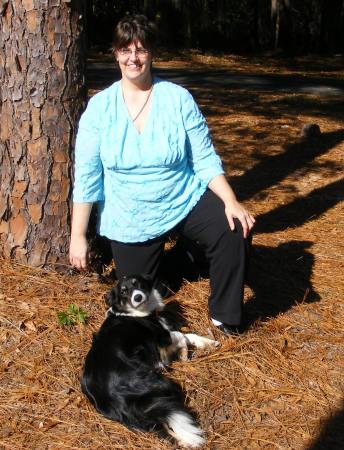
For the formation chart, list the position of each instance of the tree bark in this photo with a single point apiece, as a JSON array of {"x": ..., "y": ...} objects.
[{"x": 42, "y": 94}]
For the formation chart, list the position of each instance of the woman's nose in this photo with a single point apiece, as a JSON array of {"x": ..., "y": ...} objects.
[{"x": 133, "y": 56}]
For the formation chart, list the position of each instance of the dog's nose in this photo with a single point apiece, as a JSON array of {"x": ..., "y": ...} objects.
[{"x": 138, "y": 298}]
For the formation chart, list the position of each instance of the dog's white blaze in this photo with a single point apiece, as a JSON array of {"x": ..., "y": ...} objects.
[
  {"x": 185, "y": 430},
  {"x": 135, "y": 292},
  {"x": 143, "y": 308}
]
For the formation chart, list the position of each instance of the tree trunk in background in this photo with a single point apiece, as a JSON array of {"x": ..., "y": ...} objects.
[
  {"x": 331, "y": 24},
  {"x": 261, "y": 24},
  {"x": 42, "y": 93},
  {"x": 188, "y": 18},
  {"x": 286, "y": 35},
  {"x": 275, "y": 21}
]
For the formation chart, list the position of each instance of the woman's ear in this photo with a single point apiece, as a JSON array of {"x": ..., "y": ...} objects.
[{"x": 114, "y": 52}]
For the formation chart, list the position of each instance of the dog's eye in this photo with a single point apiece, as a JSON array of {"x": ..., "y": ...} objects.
[{"x": 124, "y": 290}]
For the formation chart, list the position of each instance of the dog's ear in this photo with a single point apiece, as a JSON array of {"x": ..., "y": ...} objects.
[
  {"x": 111, "y": 298},
  {"x": 146, "y": 281},
  {"x": 137, "y": 279},
  {"x": 136, "y": 276},
  {"x": 147, "y": 277}
]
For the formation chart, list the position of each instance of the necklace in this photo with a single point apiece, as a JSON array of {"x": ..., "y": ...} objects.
[{"x": 143, "y": 106}]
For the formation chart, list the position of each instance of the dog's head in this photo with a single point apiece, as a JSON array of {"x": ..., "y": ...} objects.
[{"x": 134, "y": 296}]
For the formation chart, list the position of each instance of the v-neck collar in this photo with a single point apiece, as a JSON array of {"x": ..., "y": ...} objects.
[{"x": 148, "y": 119}]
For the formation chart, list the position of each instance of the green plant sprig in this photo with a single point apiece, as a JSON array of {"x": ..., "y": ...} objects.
[{"x": 71, "y": 316}]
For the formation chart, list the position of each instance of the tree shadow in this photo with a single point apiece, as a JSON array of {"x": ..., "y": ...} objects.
[
  {"x": 271, "y": 170},
  {"x": 302, "y": 209},
  {"x": 280, "y": 278},
  {"x": 331, "y": 435},
  {"x": 305, "y": 63},
  {"x": 185, "y": 260}
]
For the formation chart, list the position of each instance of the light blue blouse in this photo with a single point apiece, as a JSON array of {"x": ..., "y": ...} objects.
[{"x": 144, "y": 183}]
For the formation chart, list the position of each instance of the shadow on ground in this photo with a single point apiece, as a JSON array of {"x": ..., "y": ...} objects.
[
  {"x": 278, "y": 276},
  {"x": 302, "y": 209},
  {"x": 270, "y": 170},
  {"x": 331, "y": 435}
]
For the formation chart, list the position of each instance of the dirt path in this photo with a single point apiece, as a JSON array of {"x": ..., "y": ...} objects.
[{"x": 102, "y": 73}]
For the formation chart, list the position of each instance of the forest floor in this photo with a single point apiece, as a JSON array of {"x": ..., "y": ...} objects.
[{"x": 279, "y": 385}]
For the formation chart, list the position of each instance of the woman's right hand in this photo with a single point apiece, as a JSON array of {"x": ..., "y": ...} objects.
[
  {"x": 79, "y": 252},
  {"x": 78, "y": 248}
]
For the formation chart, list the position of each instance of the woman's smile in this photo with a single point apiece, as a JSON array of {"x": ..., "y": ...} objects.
[{"x": 134, "y": 67}]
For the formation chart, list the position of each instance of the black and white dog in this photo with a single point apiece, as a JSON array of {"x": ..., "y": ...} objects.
[{"x": 122, "y": 374}]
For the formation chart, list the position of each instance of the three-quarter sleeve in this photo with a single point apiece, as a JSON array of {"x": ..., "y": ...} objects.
[
  {"x": 203, "y": 158},
  {"x": 88, "y": 175}
]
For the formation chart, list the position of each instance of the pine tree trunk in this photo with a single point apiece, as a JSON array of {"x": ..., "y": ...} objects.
[
  {"x": 42, "y": 93},
  {"x": 275, "y": 20},
  {"x": 262, "y": 21},
  {"x": 331, "y": 26}
]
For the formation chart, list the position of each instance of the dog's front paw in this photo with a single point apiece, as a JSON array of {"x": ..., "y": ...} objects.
[
  {"x": 183, "y": 353},
  {"x": 214, "y": 344},
  {"x": 201, "y": 342},
  {"x": 179, "y": 345}
]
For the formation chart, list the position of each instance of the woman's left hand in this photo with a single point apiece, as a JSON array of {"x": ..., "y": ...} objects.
[{"x": 235, "y": 210}]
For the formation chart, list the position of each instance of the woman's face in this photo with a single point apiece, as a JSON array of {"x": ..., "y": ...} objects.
[{"x": 134, "y": 61}]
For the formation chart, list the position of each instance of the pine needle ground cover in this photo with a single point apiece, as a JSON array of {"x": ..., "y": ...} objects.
[{"x": 278, "y": 386}]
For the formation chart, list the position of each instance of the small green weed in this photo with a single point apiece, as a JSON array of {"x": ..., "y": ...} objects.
[{"x": 71, "y": 316}]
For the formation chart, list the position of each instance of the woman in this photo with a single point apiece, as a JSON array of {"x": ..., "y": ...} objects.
[{"x": 144, "y": 154}]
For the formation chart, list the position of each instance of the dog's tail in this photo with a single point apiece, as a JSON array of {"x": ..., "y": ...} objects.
[
  {"x": 183, "y": 427},
  {"x": 164, "y": 406}
]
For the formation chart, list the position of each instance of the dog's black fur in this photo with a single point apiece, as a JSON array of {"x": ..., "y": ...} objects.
[{"x": 122, "y": 374}]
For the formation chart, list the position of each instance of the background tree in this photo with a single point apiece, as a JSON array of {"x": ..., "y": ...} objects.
[
  {"x": 290, "y": 26},
  {"x": 42, "y": 94}
]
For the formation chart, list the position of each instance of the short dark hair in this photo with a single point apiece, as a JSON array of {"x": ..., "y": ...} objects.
[{"x": 134, "y": 28}]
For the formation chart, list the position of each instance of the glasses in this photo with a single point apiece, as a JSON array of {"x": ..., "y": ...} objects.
[{"x": 140, "y": 52}]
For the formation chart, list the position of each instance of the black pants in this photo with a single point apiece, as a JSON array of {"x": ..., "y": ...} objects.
[{"x": 226, "y": 251}]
